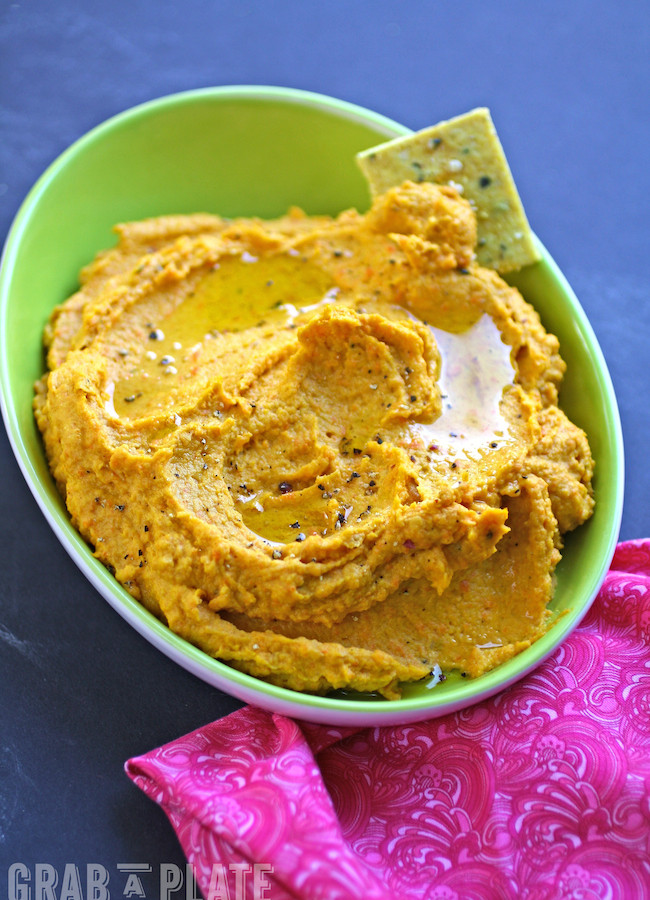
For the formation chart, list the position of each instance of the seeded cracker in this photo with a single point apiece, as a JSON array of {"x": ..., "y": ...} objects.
[{"x": 466, "y": 153}]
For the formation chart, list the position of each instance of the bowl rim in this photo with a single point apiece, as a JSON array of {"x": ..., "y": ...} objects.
[{"x": 247, "y": 688}]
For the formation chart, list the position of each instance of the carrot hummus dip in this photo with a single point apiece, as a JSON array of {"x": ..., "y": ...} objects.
[{"x": 327, "y": 451}]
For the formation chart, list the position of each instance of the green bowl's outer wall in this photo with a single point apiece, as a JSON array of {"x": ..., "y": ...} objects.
[{"x": 247, "y": 150}]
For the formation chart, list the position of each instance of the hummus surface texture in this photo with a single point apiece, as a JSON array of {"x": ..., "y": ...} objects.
[{"x": 327, "y": 451}]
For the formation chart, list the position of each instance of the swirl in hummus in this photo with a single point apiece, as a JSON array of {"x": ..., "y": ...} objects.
[{"x": 327, "y": 451}]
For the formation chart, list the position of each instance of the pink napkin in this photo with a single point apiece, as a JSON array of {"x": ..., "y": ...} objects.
[{"x": 542, "y": 792}]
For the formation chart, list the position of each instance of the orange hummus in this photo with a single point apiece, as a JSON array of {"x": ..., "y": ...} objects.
[{"x": 327, "y": 451}]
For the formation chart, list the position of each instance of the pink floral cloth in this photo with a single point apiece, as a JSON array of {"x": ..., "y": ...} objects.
[{"x": 540, "y": 793}]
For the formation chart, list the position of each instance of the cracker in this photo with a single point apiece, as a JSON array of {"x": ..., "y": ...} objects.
[{"x": 464, "y": 152}]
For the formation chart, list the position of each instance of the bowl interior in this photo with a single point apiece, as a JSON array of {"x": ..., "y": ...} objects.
[{"x": 256, "y": 151}]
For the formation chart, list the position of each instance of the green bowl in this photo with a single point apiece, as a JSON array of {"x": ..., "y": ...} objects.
[{"x": 247, "y": 150}]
